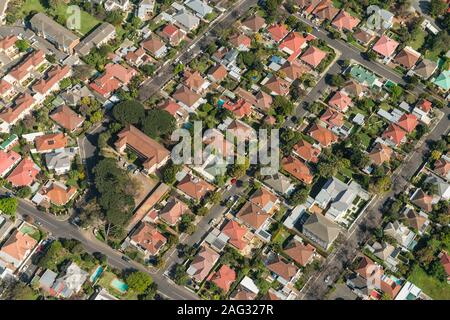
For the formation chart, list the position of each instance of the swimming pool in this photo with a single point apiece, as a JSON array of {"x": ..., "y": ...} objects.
[
  {"x": 119, "y": 285},
  {"x": 220, "y": 103},
  {"x": 96, "y": 274}
]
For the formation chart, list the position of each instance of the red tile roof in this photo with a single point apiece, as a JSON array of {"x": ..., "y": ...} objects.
[
  {"x": 345, "y": 21},
  {"x": 173, "y": 211},
  {"x": 59, "y": 194},
  {"x": 224, "y": 277},
  {"x": 203, "y": 263},
  {"x": 241, "y": 108},
  {"x": 298, "y": 169},
  {"x": 8, "y": 160},
  {"x": 394, "y": 133},
  {"x": 408, "y": 122},
  {"x": 252, "y": 215},
  {"x": 385, "y": 46},
  {"x": 307, "y": 151},
  {"x": 442, "y": 167},
  {"x": 194, "y": 187},
  {"x": 313, "y": 56},
  {"x": 21, "y": 105},
  {"x": 283, "y": 269},
  {"x": 113, "y": 78},
  {"x": 278, "y": 86},
  {"x": 322, "y": 135},
  {"x": 254, "y": 23},
  {"x": 49, "y": 142},
  {"x": 445, "y": 261},
  {"x": 333, "y": 118},
  {"x": 24, "y": 174},
  {"x": 236, "y": 233},
  {"x": 380, "y": 154},
  {"x": 425, "y": 105},
  {"x": 278, "y": 32},
  {"x": 341, "y": 101},
  {"x": 67, "y": 118},
  {"x": 293, "y": 45},
  {"x": 30, "y": 62},
  {"x": 300, "y": 253},
  {"x": 8, "y": 42},
  {"x": 218, "y": 73},
  {"x": 149, "y": 238},
  {"x": 240, "y": 40},
  {"x": 171, "y": 107},
  {"x": 55, "y": 75}
]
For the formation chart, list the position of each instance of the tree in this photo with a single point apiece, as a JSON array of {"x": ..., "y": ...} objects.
[
  {"x": 169, "y": 173},
  {"x": 237, "y": 170},
  {"x": 22, "y": 45},
  {"x": 179, "y": 275},
  {"x": 336, "y": 80},
  {"x": 158, "y": 123},
  {"x": 115, "y": 17},
  {"x": 437, "y": 8},
  {"x": 148, "y": 69},
  {"x": 438, "y": 271},
  {"x": 299, "y": 196},
  {"x": 130, "y": 111},
  {"x": 381, "y": 185},
  {"x": 8, "y": 206},
  {"x": 24, "y": 192},
  {"x": 139, "y": 281},
  {"x": 282, "y": 105}
]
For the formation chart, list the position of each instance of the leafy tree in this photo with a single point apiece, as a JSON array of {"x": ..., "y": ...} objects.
[
  {"x": 115, "y": 17},
  {"x": 179, "y": 275},
  {"x": 169, "y": 173},
  {"x": 158, "y": 123},
  {"x": 437, "y": 8},
  {"x": 381, "y": 185},
  {"x": 8, "y": 206},
  {"x": 139, "y": 281},
  {"x": 24, "y": 192},
  {"x": 438, "y": 271},
  {"x": 148, "y": 69},
  {"x": 130, "y": 111},
  {"x": 282, "y": 106},
  {"x": 22, "y": 45},
  {"x": 299, "y": 196}
]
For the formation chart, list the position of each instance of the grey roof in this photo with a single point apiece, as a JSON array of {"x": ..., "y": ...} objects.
[
  {"x": 95, "y": 38},
  {"x": 47, "y": 279},
  {"x": 200, "y": 7},
  {"x": 322, "y": 227},
  {"x": 186, "y": 19},
  {"x": 52, "y": 30},
  {"x": 279, "y": 183},
  {"x": 425, "y": 68},
  {"x": 60, "y": 159},
  {"x": 73, "y": 95},
  {"x": 382, "y": 250}
]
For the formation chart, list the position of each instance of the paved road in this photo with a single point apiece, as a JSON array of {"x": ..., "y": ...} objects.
[
  {"x": 316, "y": 288},
  {"x": 63, "y": 229},
  {"x": 165, "y": 73}
]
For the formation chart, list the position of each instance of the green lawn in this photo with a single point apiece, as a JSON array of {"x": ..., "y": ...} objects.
[
  {"x": 432, "y": 287},
  {"x": 88, "y": 22},
  {"x": 419, "y": 40}
]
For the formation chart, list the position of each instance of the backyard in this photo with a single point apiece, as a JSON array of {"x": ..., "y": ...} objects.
[{"x": 430, "y": 285}]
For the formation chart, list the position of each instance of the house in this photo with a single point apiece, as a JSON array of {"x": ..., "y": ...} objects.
[
  {"x": 365, "y": 77},
  {"x": 155, "y": 47},
  {"x": 101, "y": 35},
  {"x": 138, "y": 57},
  {"x": 443, "y": 80},
  {"x": 408, "y": 122},
  {"x": 307, "y": 151},
  {"x": 340, "y": 101},
  {"x": 55, "y": 33},
  {"x": 394, "y": 135},
  {"x": 294, "y": 70},
  {"x": 279, "y": 183},
  {"x": 320, "y": 230},
  {"x": 277, "y": 86},
  {"x": 385, "y": 47},
  {"x": 236, "y": 234},
  {"x": 364, "y": 36},
  {"x": 122, "y": 5},
  {"x": 16, "y": 249},
  {"x": 24, "y": 173},
  {"x": 283, "y": 271},
  {"x": 50, "y": 142},
  {"x": 6, "y": 90},
  {"x": 425, "y": 68},
  {"x": 187, "y": 98},
  {"x": 333, "y": 119},
  {"x": 8, "y": 160},
  {"x": 70, "y": 283},
  {"x": 445, "y": 261},
  {"x": 441, "y": 188},
  {"x": 194, "y": 187},
  {"x": 61, "y": 160},
  {"x": 22, "y": 106},
  {"x": 246, "y": 290},
  {"x": 407, "y": 57},
  {"x": 240, "y": 131},
  {"x": 195, "y": 81},
  {"x": 145, "y": 9},
  {"x": 265, "y": 199},
  {"x": 148, "y": 239},
  {"x": 263, "y": 101},
  {"x": 293, "y": 44},
  {"x": 200, "y": 8},
  {"x": 51, "y": 82},
  {"x": 299, "y": 252},
  {"x": 240, "y": 41},
  {"x": 114, "y": 77},
  {"x": 254, "y": 23},
  {"x": 223, "y": 278},
  {"x": 8, "y": 44},
  {"x": 416, "y": 220},
  {"x": 337, "y": 198},
  {"x": 410, "y": 291},
  {"x": 186, "y": 20},
  {"x": 354, "y": 89},
  {"x": 442, "y": 167},
  {"x": 387, "y": 253},
  {"x": 277, "y": 32},
  {"x": 57, "y": 193},
  {"x": 313, "y": 56},
  {"x": 400, "y": 233},
  {"x": 380, "y": 154},
  {"x": 422, "y": 200},
  {"x": 325, "y": 10},
  {"x": 66, "y": 118},
  {"x": 240, "y": 109},
  {"x": 73, "y": 95},
  {"x": 172, "y": 34},
  {"x": 345, "y": 21},
  {"x": 172, "y": 211},
  {"x": 297, "y": 169},
  {"x": 23, "y": 70},
  {"x": 322, "y": 135},
  {"x": 152, "y": 154},
  {"x": 252, "y": 215},
  {"x": 202, "y": 264},
  {"x": 217, "y": 73}
]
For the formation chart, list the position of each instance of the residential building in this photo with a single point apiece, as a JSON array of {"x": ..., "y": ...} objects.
[
  {"x": 172, "y": 211},
  {"x": 313, "y": 56},
  {"x": 201, "y": 8},
  {"x": 23, "y": 70},
  {"x": 277, "y": 32},
  {"x": 394, "y": 135},
  {"x": 223, "y": 278},
  {"x": 145, "y": 9},
  {"x": 24, "y": 173},
  {"x": 407, "y": 57},
  {"x": 16, "y": 250},
  {"x": 385, "y": 47},
  {"x": 155, "y": 47},
  {"x": 186, "y": 20},
  {"x": 60, "y": 161},
  {"x": 66, "y": 118},
  {"x": 322, "y": 135},
  {"x": 425, "y": 68},
  {"x": 195, "y": 81},
  {"x": 50, "y": 142},
  {"x": 282, "y": 271},
  {"x": 152, "y": 154},
  {"x": 114, "y": 77},
  {"x": 277, "y": 86},
  {"x": 187, "y": 98},
  {"x": 279, "y": 183},
  {"x": 416, "y": 220},
  {"x": 325, "y": 10},
  {"x": 202, "y": 264},
  {"x": 345, "y": 21},
  {"x": 443, "y": 80},
  {"x": 194, "y": 187},
  {"x": 51, "y": 82},
  {"x": 101, "y": 35},
  {"x": 403, "y": 235},
  {"x": 297, "y": 169},
  {"x": 380, "y": 154},
  {"x": 8, "y": 160},
  {"x": 172, "y": 34},
  {"x": 422, "y": 200},
  {"x": 306, "y": 151},
  {"x": 253, "y": 216},
  {"x": 320, "y": 230},
  {"x": 299, "y": 252},
  {"x": 148, "y": 239},
  {"x": 217, "y": 73},
  {"x": 237, "y": 235},
  {"x": 254, "y": 23},
  {"x": 55, "y": 33},
  {"x": 21, "y": 106}
]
